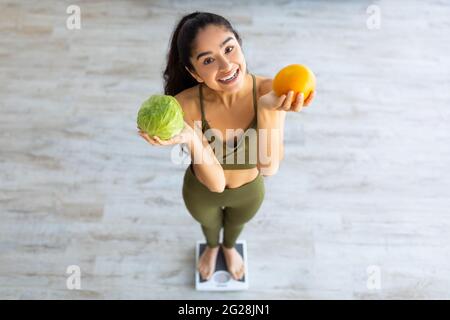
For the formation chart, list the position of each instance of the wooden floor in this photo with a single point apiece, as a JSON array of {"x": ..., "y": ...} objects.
[{"x": 365, "y": 183}]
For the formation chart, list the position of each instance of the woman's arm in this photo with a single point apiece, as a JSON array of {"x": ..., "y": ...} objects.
[
  {"x": 207, "y": 168},
  {"x": 271, "y": 145},
  {"x": 271, "y": 117},
  {"x": 268, "y": 120}
]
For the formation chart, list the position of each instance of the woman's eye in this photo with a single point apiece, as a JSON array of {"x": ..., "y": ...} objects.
[{"x": 208, "y": 60}]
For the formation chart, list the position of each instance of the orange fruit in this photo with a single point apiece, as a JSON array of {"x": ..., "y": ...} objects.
[{"x": 296, "y": 77}]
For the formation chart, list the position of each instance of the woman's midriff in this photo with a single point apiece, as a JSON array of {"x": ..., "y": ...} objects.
[{"x": 236, "y": 178}]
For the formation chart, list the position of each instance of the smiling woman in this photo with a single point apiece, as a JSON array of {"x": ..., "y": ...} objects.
[
  {"x": 182, "y": 58},
  {"x": 207, "y": 73}
]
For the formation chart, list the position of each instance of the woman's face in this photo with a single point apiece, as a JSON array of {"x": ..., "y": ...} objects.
[{"x": 217, "y": 55}]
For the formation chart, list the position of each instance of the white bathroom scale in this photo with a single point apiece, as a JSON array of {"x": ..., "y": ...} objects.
[{"x": 221, "y": 280}]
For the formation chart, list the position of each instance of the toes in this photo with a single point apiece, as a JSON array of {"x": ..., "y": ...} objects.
[
  {"x": 234, "y": 259},
  {"x": 203, "y": 272},
  {"x": 206, "y": 272},
  {"x": 205, "y": 275},
  {"x": 240, "y": 273},
  {"x": 237, "y": 275}
]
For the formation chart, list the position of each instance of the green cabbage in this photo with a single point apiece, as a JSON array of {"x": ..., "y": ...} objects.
[{"x": 162, "y": 116}]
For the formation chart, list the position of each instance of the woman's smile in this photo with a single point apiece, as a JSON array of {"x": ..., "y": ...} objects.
[{"x": 231, "y": 79}]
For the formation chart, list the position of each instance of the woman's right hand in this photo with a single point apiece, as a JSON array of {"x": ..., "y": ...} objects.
[{"x": 184, "y": 136}]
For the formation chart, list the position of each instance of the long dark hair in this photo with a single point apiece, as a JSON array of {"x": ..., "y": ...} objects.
[{"x": 176, "y": 77}]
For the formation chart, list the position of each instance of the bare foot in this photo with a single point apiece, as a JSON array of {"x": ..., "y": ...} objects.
[
  {"x": 235, "y": 264},
  {"x": 207, "y": 262}
]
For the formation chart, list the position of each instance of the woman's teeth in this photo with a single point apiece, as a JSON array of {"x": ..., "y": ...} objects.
[{"x": 231, "y": 78}]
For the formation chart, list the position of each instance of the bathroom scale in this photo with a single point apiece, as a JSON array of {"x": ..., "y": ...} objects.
[{"x": 221, "y": 280}]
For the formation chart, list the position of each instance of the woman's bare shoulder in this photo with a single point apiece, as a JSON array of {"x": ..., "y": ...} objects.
[
  {"x": 264, "y": 85},
  {"x": 188, "y": 101}
]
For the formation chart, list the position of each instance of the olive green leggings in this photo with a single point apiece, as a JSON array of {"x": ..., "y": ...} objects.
[{"x": 230, "y": 209}]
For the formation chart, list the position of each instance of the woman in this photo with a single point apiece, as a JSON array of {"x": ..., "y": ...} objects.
[{"x": 207, "y": 73}]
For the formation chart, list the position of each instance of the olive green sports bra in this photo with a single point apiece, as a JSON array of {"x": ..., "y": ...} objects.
[{"x": 243, "y": 154}]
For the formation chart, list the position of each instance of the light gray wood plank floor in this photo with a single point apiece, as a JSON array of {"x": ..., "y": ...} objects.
[{"x": 365, "y": 181}]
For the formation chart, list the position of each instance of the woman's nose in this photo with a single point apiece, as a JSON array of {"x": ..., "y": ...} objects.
[{"x": 224, "y": 64}]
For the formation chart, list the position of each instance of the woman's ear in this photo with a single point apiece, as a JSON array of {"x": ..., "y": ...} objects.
[{"x": 194, "y": 75}]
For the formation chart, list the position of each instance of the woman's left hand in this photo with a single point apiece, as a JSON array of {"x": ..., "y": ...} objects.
[{"x": 286, "y": 102}]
